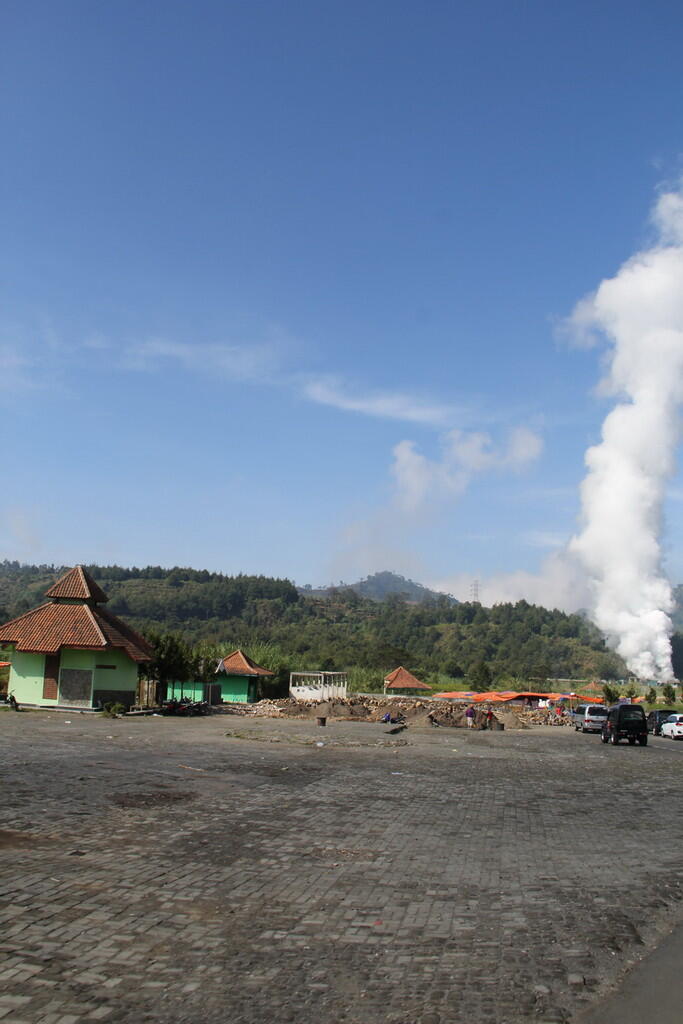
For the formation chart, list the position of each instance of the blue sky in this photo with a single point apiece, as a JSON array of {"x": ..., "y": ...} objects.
[{"x": 280, "y": 283}]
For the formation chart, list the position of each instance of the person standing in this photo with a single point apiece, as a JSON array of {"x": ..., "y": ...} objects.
[
  {"x": 469, "y": 715},
  {"x": 489, "y": 718}
]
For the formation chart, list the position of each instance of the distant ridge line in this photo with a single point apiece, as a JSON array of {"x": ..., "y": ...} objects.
[{"x": 378, "y": 587}]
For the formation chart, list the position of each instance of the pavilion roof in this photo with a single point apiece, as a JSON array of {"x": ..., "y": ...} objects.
[
  {"x": 402, "y": 679},
  {"x": 77, "y": 585},
  {"x": 240, "y": 664}
]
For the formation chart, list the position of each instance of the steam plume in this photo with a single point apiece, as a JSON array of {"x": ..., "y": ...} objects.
[{"x": 640, "y": 310}]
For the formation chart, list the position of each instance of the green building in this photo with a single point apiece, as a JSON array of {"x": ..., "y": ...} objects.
[
  {"x": 238, "y": 678},
  {"x": 71, "y": 652}
]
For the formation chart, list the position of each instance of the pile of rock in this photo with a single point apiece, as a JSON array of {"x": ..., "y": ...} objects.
[
  {"x": 366, "y": 708},
  {"x": 544, "y": 716},
  {"x": 416, "y": 711}
]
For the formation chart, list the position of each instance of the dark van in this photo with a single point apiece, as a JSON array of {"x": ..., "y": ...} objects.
[{"x": 625, "y": 722}]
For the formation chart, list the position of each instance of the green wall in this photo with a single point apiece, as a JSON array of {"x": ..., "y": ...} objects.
[
  {"x": 234, "y": 690},
  {"x": 237, "y": 689},
  {"x": 192, "y": 690},
  {"x": 27, "y": 671},
  {"x": 123, "y": 677},
  {"x": 26, "y": 678}
]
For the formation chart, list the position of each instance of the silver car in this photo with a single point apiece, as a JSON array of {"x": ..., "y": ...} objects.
[{"x": 589, "y": 717}]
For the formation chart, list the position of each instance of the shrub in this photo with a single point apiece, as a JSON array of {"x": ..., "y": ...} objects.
[{"x": 113, "y": 709}]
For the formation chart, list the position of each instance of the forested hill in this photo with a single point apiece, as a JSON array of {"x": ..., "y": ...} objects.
[
  {"x": 436, "y": 639},
  {"x": 379, "y": 587}
]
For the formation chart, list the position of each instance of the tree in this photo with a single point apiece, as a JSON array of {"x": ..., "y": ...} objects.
[
  {"x": 608, "y": 666},
  {"x": 479, "y": 676},
  {"x": 651, "y": 696},
  {"x": 204, "y": 658},
  {"x": 669, "y": 694},
  {"x": 172, "y": 661},
  {"x": 610, "y": 693}
]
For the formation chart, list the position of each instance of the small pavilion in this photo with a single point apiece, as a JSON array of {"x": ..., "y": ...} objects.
[
  {"x": 71, "y": 652},
  {"x": 238, "y": 678},
  {"x": 401, "y": 682}
]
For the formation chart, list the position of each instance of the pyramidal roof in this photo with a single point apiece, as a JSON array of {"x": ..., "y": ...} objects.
[
  {"x": 77, "y": 585},
  {"x": 82, "y": 624},
  {"x": 52, "y": 625},
  {"x": 240, "y": 664},
  {"x": 402, "y": 679}
]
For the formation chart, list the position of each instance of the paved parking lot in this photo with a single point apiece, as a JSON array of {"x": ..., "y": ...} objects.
[{"x": 160, "y": 870}]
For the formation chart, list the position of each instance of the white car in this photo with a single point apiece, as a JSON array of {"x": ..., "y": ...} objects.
[{"x": 673, "y": 727}]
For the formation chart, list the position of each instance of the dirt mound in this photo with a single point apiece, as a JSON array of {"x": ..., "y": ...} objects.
[
  {"x": 415, "y": 711},
  {"x": 511, "y": 720}
]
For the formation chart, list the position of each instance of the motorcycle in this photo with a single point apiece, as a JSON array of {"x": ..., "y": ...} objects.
[{"x": 184, "y": 706}]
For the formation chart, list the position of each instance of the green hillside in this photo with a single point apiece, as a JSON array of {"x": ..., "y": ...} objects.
[
  {"x": 378, "y": 587},
  {"x": 440, "y": 640}
]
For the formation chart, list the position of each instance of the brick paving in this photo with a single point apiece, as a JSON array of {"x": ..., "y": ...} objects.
[{"x": 161, "y": 870}]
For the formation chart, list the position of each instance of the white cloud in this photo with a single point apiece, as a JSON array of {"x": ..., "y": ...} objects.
[
  {"x": 243, "y": 362},
  {"x": 667, "y": 217},
  {"x": 383, "y": 404},
  {"x": 262, "y": 363},
  {"x": 419, "y": 480}
]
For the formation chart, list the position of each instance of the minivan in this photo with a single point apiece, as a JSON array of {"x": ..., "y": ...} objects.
[{"x": 589, "y": 717}]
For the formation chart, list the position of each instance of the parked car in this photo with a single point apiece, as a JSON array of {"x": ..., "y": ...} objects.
[
  {"x": 625, "y": 722},
  {"x": 656, "y": 719},
  {"x": 589, "y": 717},
  {"x": 673, "y": 727},
  {"x": 577, "y": 714}
]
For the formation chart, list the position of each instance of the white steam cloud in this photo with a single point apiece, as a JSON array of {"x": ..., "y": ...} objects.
[{"x": 640, "y": 311}]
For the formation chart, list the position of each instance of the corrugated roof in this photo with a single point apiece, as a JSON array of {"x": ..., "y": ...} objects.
[
  {"x": 77, "y": 585},
  {"x": 402, "y": 679},
  {"x": 240, "y": 664},
  {"x": 51, "y": 626}
]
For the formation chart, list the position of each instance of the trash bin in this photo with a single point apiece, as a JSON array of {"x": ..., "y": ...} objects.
[{"x": 322, "y": 721}]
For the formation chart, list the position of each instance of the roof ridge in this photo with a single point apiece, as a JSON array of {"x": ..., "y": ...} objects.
[
  {"x": 95, "y": 623},
  {"x": 122, "y": 627},
  {"x": 77, "y": 584}
]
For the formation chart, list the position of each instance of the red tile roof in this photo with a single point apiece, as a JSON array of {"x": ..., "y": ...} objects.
[
  {"x": 240, "y": 664},
  {"x": 402, "y": 679},
  {"x": 119, "y": 634},
  {"x": 77, "y": 584},
  {"x": 51, "y": 626}
]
